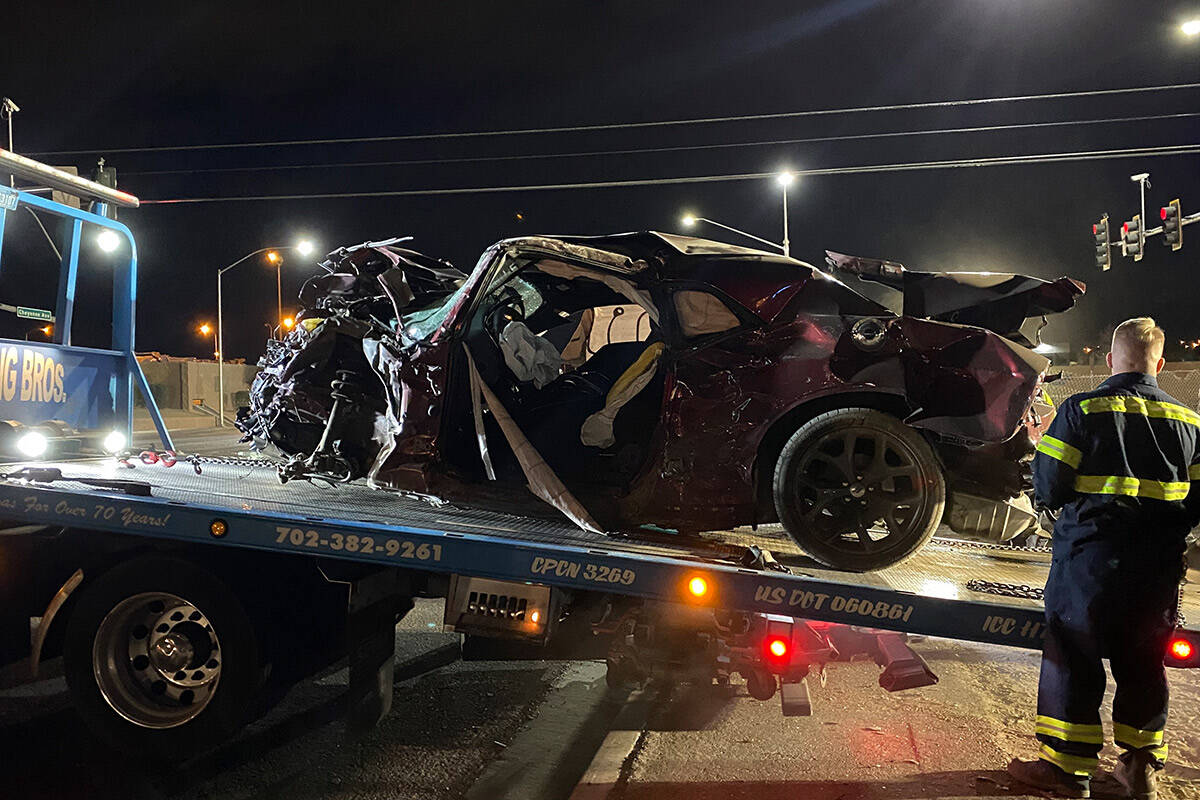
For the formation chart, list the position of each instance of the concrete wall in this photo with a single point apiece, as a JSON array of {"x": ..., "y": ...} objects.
[{"x": 175, "y": 384}]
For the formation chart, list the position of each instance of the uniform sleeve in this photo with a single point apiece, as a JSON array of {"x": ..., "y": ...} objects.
[
  {"x": 1192, "y": 501},
  {"x": 1057, "y": 460}
]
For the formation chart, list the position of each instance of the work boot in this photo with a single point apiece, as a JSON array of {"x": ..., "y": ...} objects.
[
  {"x": 1044, "y": 775},
  {"x": 1137, "y": 771}
]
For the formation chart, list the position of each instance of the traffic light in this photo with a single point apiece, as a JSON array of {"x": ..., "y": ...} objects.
[
  {"x": 106, "y": 176},
  {"x": 1172, "y": 226},
  {"x": 1103, "y": 250},
  {"x": 1133, "y": 238}
]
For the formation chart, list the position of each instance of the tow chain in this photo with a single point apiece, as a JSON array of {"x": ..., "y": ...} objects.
[
  {"x": 1018, "y": 590},
  {"x": 1033, "y": 593},
  {"x": 169, "y": 458},
  {"x": 1008, "y": 548}
]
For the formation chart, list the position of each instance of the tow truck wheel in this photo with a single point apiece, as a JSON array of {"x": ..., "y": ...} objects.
[
  {"x": 760, "y": 684},
  {"x": 161, "y": 658},
  {"x": 858, "y": 489}
]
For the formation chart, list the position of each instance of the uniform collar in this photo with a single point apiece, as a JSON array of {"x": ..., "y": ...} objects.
[{"x": 1125, "y": 380}]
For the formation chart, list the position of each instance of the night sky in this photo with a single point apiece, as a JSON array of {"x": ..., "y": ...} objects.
[{"x": 98, "y": 77}]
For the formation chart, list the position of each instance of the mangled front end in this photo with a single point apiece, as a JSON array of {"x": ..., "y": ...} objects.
[
  {"x": 962, "y": 351},
  {"x": 321, "y": 397}
]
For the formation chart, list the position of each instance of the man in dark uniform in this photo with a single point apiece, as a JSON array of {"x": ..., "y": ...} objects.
[{"x": 1119, "y": 461}]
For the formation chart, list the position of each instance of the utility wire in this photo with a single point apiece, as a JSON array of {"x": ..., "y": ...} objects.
[
  {"x": 632, "y": 125},
  {"x": 46, "y": 233},
  {"x": 673, "y": 149},
  {"x": 1038, "y": 158}
]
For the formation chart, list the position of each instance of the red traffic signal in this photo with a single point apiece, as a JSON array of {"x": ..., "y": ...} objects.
[
  {"x": 1172, "y": 227},
  {"x": 1133, "y": 238}
]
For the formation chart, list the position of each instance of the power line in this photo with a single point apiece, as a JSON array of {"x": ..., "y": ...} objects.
[
  {"x": 673, "y": 149},
  {"x": 630, "y": 125},
  {"x": 1039, "y": 158}
]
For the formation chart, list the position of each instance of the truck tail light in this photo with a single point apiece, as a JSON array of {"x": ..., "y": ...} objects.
[
  {"x": 778, "y": 649},
  {"x": 1183, "y": 651},
  {"x": 777, "y": 644}
]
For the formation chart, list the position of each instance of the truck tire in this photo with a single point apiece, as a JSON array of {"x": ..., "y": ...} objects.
[
  {"x": 161, "y": 658},
  {"x": 858, "y": 489}
]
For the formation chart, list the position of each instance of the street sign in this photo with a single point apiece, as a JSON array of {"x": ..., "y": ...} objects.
[{"x": 35, "y": 313}]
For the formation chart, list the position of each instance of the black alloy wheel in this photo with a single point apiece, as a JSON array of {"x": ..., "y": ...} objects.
[{"x": 858, "y": 489}]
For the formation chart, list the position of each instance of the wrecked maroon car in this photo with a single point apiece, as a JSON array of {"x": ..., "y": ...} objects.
[{"x": 648, "y": 379}]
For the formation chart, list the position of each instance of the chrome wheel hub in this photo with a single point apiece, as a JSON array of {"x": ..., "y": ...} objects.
[{"x": 157, "y": 660}]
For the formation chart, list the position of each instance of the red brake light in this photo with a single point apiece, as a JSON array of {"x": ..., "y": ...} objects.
[{"x": 1181, "y": 649}]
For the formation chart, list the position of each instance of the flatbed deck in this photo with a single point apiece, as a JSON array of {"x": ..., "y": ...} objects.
[{"x": 242, "y": 504}]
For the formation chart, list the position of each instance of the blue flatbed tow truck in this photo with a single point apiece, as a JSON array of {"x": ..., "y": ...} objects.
[{"x": 185, "y": 599}]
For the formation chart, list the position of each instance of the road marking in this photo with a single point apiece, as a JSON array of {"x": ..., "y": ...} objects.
[
  {"x": 546, "y": 758},
  {"x": 604, "y": 773}
]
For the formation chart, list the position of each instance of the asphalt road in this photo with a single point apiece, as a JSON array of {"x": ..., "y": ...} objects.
[
  {"x": 536, "y": 729},
  {"x": 946, "y": 741}
]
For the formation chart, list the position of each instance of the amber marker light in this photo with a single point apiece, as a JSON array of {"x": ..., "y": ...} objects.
[
  {"x": 218, "y": 528},
  {"x": 697, "y": 587},
  {"x": 1182, "y": 649}
]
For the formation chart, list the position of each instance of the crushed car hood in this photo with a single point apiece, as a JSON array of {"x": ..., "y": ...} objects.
[
  {"x": 373, "y": 270},
  {"x": 998, "y": 301}
]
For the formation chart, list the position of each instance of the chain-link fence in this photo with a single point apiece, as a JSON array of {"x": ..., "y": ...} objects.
[{"x": 1181, "y": 380}]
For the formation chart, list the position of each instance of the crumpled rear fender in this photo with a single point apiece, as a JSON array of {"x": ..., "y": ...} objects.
[{"x": 964, "y": 383}]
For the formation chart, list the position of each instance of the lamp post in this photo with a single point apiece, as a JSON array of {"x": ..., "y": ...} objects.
[
  {"x": 304, "y": 248},
  {"x": 785, "y": 179},
  {"x": 690, "y": 219},
  {"x": 205, "y": 330},
  {"x": 276, "y": 259}
]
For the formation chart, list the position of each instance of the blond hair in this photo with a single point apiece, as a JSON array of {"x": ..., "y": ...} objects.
[{"x": 1139, "y": 340}]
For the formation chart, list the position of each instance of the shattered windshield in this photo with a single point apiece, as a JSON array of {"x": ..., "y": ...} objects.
[{"x": 421, "y": 324}]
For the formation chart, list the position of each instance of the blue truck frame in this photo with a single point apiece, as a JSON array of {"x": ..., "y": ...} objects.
[{"x": 155, "y": 507}]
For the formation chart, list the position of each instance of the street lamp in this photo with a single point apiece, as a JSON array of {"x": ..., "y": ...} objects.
[
  {"x": 690, "y": 220},
  {"x": 204, "y": 330},
  {"x": 785, "y": 179},
  {"x": 304, "y": 247},
  {"x": 45, "y": 330},
  {"x": 1191, "y": 27}
]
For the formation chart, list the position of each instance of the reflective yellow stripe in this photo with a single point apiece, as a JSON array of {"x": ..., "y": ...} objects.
[
  {"x": 1070, "y": 731},
  {"x": 1076, "y": 765},
  {"x": 1127, "y": 404},
  {"x": 1160, "y": 753},
  {"x": 1135, "y": 738},
  {"x": 1131, "y": 487},
  {"x": 1194, "y": 472},
  {"x": 1058, "y": 449}
]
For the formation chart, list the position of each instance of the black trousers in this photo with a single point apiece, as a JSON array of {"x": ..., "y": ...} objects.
[{"x": 1104, "y": 604}]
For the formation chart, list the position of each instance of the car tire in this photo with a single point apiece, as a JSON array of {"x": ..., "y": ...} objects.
[
  {"x": 843, "y": 473},
  {"x": 140, "y": 651}
]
